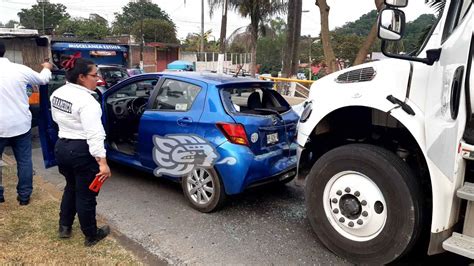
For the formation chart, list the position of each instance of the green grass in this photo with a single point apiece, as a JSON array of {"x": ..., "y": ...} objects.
[{"x": 28, "y": 234}]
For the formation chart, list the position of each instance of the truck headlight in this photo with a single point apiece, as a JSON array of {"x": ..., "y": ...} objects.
[{"x": 308, "y": 108}]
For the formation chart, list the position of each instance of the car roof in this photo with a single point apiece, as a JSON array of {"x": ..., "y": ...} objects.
[
  {"x": 111, "y": 66},
  {"x": 213, "y": 78}
]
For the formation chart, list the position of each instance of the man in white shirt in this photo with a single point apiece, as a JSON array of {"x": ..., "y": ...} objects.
[{"x": 15, "y": 118}]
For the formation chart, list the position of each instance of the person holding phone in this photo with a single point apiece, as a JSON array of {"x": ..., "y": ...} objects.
[{"x": 80, "y": 151}]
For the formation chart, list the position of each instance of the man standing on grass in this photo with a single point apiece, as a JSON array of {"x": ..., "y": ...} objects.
[{"x": 15, "y": 119}]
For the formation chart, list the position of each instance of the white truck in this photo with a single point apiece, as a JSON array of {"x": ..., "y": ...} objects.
[{"x": 389, "y": 145}]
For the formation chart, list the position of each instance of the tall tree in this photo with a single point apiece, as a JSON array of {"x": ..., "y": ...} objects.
[
  {"x": 365, "y": 48},
  {"x": 270, "y": 47},
  {"x": 325, "y": 35},
  {"x": 132, "y": 20},
  {"x": 83, "y": 28},
  {"x": 293, "y": 34},
  {"x": 155, "y": 30},
  {"x": 136, "y": 12},
  {"x": 32, "y": 18},
  {"x": 213, "y": 4},
  {"x": 11, "y": 24},
  {"x": 258, "y": 11}
]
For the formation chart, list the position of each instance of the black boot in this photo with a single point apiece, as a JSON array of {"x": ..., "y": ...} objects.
[
  {"x": 102, "y": 232},
  {"x": 65, "y": 231}
]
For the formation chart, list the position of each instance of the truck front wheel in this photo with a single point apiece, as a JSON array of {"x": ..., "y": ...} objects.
[{"x": 364, "y": 203}]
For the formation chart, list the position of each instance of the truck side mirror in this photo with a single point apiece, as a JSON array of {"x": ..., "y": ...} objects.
[
  {"x": 391, "y": 24},
  {"x": 391, "y": 27},
  {"x": 396, "y": 3}
]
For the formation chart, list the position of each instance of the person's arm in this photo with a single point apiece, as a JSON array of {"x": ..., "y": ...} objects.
[
  {"x": 90, "y": 116},
  {"x": 35, "y": 78}
]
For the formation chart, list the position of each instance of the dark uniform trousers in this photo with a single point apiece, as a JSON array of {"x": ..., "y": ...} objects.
[{"x": 79, "y": 167}]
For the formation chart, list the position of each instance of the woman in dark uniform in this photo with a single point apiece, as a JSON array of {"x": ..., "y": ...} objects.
[{"x": 80, "y": 151}]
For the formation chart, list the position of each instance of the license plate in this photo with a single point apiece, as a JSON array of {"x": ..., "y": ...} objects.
[{"x": 272, "y": 138}]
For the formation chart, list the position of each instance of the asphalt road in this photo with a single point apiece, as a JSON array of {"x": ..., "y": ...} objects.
[
  {"x": 262, "y": 226},
  {"x": 267, "y": 225}
]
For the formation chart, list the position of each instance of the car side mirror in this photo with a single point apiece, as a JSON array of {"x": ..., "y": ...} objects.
[
  {"x": 396, "y": 3},
  {"x": 391, "y": 24}
]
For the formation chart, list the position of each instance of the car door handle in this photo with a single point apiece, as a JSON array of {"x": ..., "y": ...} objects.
[{"x": 185, "y": 121}]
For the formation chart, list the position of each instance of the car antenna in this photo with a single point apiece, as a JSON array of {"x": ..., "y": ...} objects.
[{"x": 238, "y": 71}]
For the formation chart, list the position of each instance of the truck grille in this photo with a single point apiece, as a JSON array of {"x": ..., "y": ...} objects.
[{"x": 357, "y": 75}]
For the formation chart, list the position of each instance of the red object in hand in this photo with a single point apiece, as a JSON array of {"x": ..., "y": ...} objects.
[{"x": 96, "y": 184}]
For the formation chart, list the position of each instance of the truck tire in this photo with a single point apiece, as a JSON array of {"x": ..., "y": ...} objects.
[{"x": 364, "y": 204}]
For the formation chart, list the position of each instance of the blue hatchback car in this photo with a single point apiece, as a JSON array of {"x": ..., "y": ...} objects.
[{"x": 217, "y": 135}]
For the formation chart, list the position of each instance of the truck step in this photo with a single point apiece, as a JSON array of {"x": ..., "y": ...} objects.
[
  {"x": 460, "y": 244},
  {"x": 466, "y": 192}
]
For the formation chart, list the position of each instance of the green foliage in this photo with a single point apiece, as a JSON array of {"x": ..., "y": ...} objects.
[
  {"x": 32, "y": 18},
  {"x": 84, "y": 28},
  {"x": 10, "y": 24},
  {"x": 360, "y": 27},
  {"x": 347, "y": 40},
  {"x": 135, "y": 12},
  {"x": 156, "y": 30},
  {"x": 270, "y": 47},
  {"x": 240, "y": 43},
  {"x": 192, "y": 43},
  {"x": 416, "y": 31}
]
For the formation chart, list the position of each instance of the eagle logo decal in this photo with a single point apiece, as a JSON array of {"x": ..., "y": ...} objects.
[{"x": 179, "y": 155}]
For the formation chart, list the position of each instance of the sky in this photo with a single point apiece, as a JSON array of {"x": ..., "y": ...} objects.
[{"x": 186, "y": 14}]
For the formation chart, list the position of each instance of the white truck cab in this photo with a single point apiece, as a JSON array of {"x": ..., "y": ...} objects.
[{"x": 388, "y": 145}]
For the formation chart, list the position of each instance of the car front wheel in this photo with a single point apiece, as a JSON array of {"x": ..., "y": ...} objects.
[{"x": 203, "y": 189}]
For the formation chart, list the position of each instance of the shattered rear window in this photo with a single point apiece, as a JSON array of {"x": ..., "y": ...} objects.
[{"x": 253, "y": 100}]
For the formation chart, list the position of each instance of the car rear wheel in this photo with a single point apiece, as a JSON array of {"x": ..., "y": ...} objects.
[
  {"x": 364, "y": 204},
  {"x": 204, "y": 189}
]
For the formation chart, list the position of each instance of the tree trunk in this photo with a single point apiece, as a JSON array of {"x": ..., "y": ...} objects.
[
  {"x": 201, "y": 48},
  {"x": 296, "y": 37},
  {"x": 254, "y": 20},
  {"x": 222, "y": 43},
  {"x": 329, "y": 56},
  {"x": 288, "y": 51},
  {"x": 365, "y": 49}
]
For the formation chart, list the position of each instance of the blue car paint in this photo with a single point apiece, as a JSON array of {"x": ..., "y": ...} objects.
[{"x": 252, "y": 165}]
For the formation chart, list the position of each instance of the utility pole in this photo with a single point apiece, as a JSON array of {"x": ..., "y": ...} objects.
[
  {"x": 310, "y": 60},
  {"x": 202, "y": 26},
  {"x": 222, "y": 44},
  {"x": 42, "y": 2},
  {"x": 142, "y": 39}
]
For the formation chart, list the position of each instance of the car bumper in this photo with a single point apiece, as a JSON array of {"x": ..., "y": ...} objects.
[{"x": 250, "y": 170}]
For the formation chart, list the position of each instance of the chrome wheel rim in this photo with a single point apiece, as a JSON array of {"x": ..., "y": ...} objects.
[
  {"x": 200, "y": 186},
  {"x": 355, "y": 206}
]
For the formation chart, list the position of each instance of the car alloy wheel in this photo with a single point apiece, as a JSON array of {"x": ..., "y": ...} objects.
[{"x": 204, "y": 190}]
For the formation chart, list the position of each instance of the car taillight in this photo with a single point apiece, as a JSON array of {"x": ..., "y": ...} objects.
[
  {"x": 235, "y": 133},
  {"x": 101, "y": 82}
]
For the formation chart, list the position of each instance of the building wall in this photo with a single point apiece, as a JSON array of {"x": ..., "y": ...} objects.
[
  {"x": 164, "y": 57},
  {"x": 27, "y": 52},
  {"x": 149, "y": 63}
]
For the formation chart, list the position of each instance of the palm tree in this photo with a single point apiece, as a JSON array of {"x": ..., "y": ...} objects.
[
  {"x": 213, "y": 4},
  {"x": 293, "y": 32},
  {"x": 438, "y": 5},
  {"x": 258, "y": 11}
]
